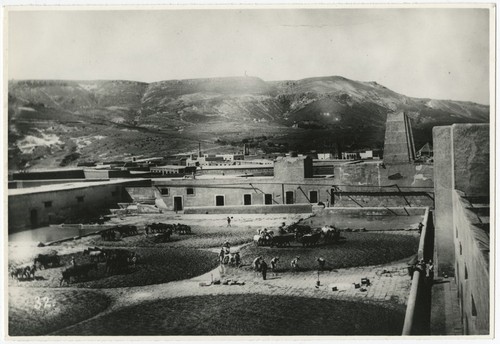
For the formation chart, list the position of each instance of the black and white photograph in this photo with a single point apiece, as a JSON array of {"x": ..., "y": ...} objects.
[{"x": 264, "y": 172}]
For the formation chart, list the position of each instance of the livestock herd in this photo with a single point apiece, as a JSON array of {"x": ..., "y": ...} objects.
[
  {"x": 114, "y": 260},
  {"x": 302, "y": 234}
]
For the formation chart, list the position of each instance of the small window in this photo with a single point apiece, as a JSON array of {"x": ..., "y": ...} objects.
[
  {"x": 164, "y": 191},
  {"x": 473, "y": 306},
  {"x": 313, "y": 196},
  {"x": 268, "y": 199},
  {"x": 460, "y": 248},
  {"x": 466, "y": 272},
  {"x": 48, "y": 204},
  {"x": 190, "y": 191},
  {"x": 80, "y": 199},
  {"x": 247, "y": 199},
  {"x": 289, "y": 197},
  {"x": 219, "y": 201}
]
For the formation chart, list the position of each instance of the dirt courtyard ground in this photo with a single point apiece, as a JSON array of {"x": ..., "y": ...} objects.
[{"x": 386, "y": 290}]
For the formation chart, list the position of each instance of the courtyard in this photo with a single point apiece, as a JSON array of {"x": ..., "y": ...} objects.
[{"x": 179, "y": 288}]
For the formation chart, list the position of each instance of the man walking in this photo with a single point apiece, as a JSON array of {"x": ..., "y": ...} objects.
[{"x": 228, "y": 221}]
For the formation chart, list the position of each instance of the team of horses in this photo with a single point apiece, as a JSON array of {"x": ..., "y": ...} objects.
[
  {"x": 302, "y": 234},
  {"x": 115, "y": 260},
  {"x": 166, "y": 227},
  {"x": 40, "y": 262},
  {"x": 121, "y": 231}
]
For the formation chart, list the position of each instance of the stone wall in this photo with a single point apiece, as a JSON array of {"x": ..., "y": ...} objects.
[
  {"x": 472, "y": 266},
  {"x": 471, "y": 158},
  {"x": 461, "y": 162},
  {"x": 389, "y": 199},
  {"x": 33, "y": 209},
  {"x": 203, "y": 193},
  {"x": 404, "y": 175},
  {"x": 293, "y": 169},
  {"x": 462, "y": 165}
]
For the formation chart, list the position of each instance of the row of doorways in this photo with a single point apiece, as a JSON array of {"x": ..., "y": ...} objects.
[{"x": 247, "y": 199}]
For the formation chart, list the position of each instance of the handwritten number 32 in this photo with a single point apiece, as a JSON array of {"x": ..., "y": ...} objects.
[{"x": 42, "y": 303}]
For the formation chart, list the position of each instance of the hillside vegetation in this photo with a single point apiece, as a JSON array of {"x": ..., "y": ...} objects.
[{"x": 60, "y": 123}]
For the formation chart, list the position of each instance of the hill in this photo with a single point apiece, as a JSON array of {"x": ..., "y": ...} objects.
[{"x": 58, "y": 123}]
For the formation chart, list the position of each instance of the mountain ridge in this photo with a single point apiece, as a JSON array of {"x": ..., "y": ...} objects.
[{"x": 169, "y": 116}]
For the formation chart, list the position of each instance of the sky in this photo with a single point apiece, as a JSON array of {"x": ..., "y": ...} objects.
[{"x": 429, "y": 53}]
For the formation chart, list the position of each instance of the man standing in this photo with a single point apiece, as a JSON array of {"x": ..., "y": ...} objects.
[
  {"x": 274, "y": 264},
  {"x": 228, "y": 221},
  {"x": 256, "y": 263},
  {"x": 321, "y": 263},
  {"x": 263, "y": 267},
  {"x": 420, "y": 226},
  {"x": 295, "y": 264}
]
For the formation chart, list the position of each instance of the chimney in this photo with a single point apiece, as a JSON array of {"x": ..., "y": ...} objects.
[{"x": 199, "y": 149}]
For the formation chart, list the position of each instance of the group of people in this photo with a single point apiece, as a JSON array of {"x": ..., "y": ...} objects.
[
  {"x": 425, "y": 268},
  {"x": 226, "y": 251},
  {"x": 265, "y": 234},
  {"x": 260, "y": 265}
]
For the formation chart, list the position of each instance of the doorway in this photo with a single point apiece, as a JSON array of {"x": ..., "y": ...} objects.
[
  {"x": 177, "y": 203},
  {"x": 34, "y": 218}
]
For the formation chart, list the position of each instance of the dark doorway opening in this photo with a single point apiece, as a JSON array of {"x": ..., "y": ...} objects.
[
  {"x": 34, "y": 218},
  {"x": 268, "y": 199},
  {"x": 177, "y": 203},
  {"x": 313, "y": 196},
  {"x": 289, "y": 197}
]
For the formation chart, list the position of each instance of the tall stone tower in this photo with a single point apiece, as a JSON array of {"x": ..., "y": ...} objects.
[{"x": 398, "y": 145}]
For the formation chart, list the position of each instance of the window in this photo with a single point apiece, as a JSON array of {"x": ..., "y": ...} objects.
[
  {"x": 48, "y": 204},
  {"x": 268, "y": 199},
  {"x": 313, "y": 196},
  {"x": 79, "y": 199},
  {"x": 474, "y": 310},
  {"x": 164, "y": 191},
  {"x": 190, "y": 191},
  {"x": 456, "y": 232},
  {"x": 219, "y": 201},
  {"x": 460, "y": 248},
  {"x": 466, "y": 272},
  {"x": 247, "y": 199},
  {"x": 289, "y": 197}
]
